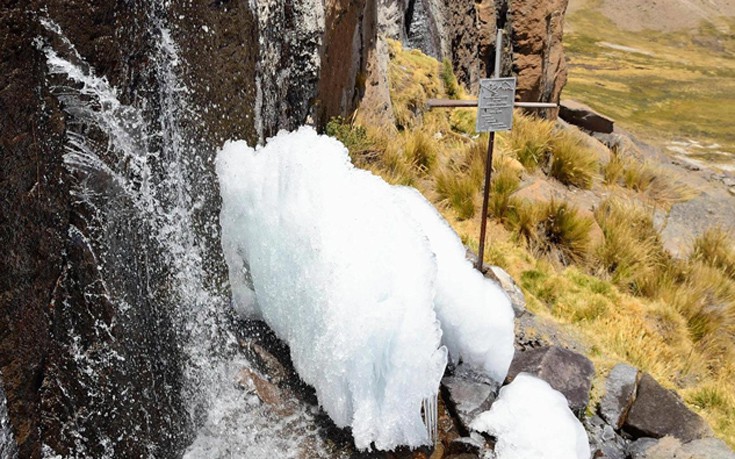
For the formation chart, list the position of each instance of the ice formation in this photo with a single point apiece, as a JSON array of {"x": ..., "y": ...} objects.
[
  {"x": 355, "y": 275},
  {"x": 475, "y": 314},
  {"x": 531, "y": 420}
]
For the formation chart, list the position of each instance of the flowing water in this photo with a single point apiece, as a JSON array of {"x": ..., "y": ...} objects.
[
  {"x": 8, "y": 449},
  {"x": 160, "y": 363}
]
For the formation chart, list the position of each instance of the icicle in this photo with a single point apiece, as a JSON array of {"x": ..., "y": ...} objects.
[{"x": 430, "y": 416}]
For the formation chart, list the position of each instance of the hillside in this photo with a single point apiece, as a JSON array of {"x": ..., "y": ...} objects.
[
  {"x": 662, "y": 16},
  {"x": 665, "y": 70},
  {"x": 574, "y": 223}
]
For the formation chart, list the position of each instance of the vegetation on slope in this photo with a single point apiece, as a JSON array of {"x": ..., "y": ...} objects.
[
  {"x": 658, "y": 84},
  {"x": 603, "y": 274}
]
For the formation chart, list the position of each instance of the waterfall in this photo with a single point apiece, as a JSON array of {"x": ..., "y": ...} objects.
[
  {"x": 8, "y": 448},
  {"x": 148, "y": 342}
]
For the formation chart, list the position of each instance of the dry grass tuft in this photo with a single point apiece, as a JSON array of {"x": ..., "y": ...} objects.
[
  {"x": 716, "y": 248},
  {"x": 632, "y": 250},
  {"x": 651, "y": 181},
  {"x": 529, "y": 140},
  {"x": 613, "y": 171},
  {"x": 551, "y": 229},
  {"x": 563, "y": 232},
  {"x": 572, "y": 163},
  {"x": 420, "y": 150},
  {"x": 458, "y": 190},
  {"x": 504, "y": 183}
]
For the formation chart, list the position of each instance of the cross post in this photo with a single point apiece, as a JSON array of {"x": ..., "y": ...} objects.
[{"x": 495, "y": 113}]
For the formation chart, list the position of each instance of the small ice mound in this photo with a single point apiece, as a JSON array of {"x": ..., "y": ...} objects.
[
  {"x": 339, "y": 273},
  {"x": 533, "y": 421},
  {"x": 476, "y": 314}
]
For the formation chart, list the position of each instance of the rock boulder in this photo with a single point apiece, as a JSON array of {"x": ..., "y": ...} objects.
[
  {"x": 468, "y": 393},
  {"x": 669, "y": 447},
  {"x": 605, "y": 443},
  {"x": 568, "y": 372},
  {"x": 620, "y": 389},
  {"x": 517, "y": 299},
  {"x": 658, "y": 412},
  {"x": 581, "y": 115}
]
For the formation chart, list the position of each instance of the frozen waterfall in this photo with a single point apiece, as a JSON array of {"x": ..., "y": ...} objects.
[{"x": 360, "y": 278}]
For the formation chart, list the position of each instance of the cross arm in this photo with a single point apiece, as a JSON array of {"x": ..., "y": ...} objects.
[{"x": 451, "y": 103}]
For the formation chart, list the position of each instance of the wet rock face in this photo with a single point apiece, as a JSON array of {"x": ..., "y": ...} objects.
[
  {"x": 33, "y": 198},
  {"x": 8, "y": 447},
  {"x": 54, "y": 306},
  {"x": 217, "y": 41},
  {"x": 289, "y": 63}
]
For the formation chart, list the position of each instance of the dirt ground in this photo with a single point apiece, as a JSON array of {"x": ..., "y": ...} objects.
[{"x": 661, "y": 15}]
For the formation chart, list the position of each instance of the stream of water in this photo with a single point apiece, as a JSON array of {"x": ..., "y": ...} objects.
[{"x": 170, "y": 345}]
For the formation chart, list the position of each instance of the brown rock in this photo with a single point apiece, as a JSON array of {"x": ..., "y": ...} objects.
[
  {"x": 349, "y": 33},
  {"x": 464, "y": 32},
  {"x": 568, "y": 372},
  {"x": 658, "y": 412},
  {"x": 536, "y": 29},
  {"x": 581, "y": 115},
  {"x": 669, "y": 447},
  {"x": 267, "y": 392}
]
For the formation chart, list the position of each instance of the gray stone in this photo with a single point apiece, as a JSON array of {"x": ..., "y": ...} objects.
[
  {"x": 604, "y": 441},
  {"x": 658, "y": 412},
  {"x": 643, "y": 448},
  {"x": 506, "y": 282},
  {"x": 707, "y": 448},
  {"x": 620, "y": 388},
  {"x": 468, "y": 393},
  {"x": 669, "y": 447},
  {"x": 585, "y": 117},
  {"x": 568, "y": 372},
  {"x": 517, "y": 299}
]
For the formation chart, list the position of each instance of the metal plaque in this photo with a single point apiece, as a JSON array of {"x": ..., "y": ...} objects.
[{"x": 495, "y": 104}]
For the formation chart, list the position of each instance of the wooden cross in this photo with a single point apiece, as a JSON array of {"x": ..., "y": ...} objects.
[{"x": 495, "y": 113}]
